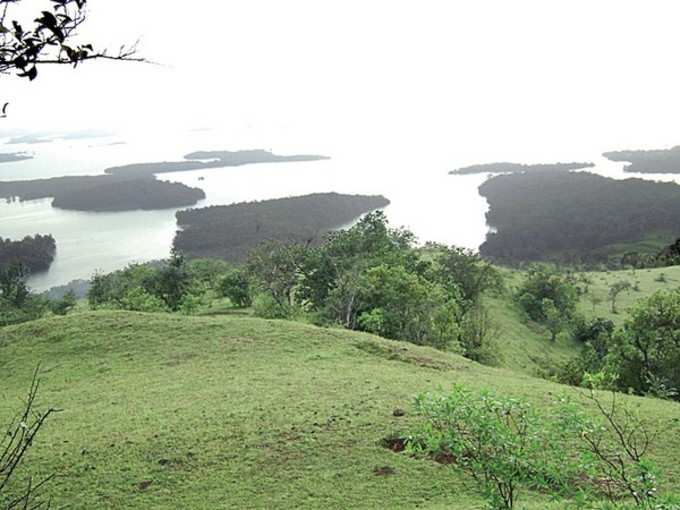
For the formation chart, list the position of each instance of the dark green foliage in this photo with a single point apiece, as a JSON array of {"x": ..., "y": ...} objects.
[
  {"x": 543, "y": 288},
  {"x": 35, "y": 253},
  {"x": 231, "y": 232},
  {"x": 646, "y": 352},
  {"x": 573, "y": 217},
  {"x": 462, "y": 270},
  {"x": 143, "y": 287},
  {"x": 64, "y": 305},
  {"x": 13, "y": 288},
  {"x": 236, "y": 286}
]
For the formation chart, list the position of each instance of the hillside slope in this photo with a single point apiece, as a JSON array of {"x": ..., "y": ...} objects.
[{"x": 164, "y": 411}]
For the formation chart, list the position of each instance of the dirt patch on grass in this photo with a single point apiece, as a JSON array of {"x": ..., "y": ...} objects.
[
  {"x": 383, "y": 471},
  {"x": 403, "y": 354},
  {"x": 395, "y": 443}
]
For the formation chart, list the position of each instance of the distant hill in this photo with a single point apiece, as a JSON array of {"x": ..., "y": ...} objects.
[
  {"x": 664, "y": 161},
  {"x": 574, "y": 216},
  {"x": 503, "y": 168},
  {"x": 230, "y": 232}
]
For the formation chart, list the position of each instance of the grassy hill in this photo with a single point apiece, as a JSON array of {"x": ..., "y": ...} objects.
[{"x": 166, "y": 411}]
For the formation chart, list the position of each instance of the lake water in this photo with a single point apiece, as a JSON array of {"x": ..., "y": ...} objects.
[{"x": 436, "y": 206}]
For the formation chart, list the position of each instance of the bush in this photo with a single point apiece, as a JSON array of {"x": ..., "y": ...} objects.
[
  {"x": 266, "y": 307},
  {"x": 500, "y": 442},
  {"x": 236, "y": 286},
  {"x": 542, "y": 286},
  {"x": 65, "y": 304}
]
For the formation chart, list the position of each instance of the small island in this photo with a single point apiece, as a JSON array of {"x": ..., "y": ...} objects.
[
  {"x": 231, "y": 232},
  {"x": 11, "y": 157},
  {"x": 201, "y": 160},
  {"x": 518, "y": 168},
  {"x": 35, "y": 253},
  {"x": 575, "y": 217},
  {"x": 663, "y": 161}
]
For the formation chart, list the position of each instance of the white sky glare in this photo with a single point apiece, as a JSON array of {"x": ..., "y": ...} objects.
[{"x": 451, "y": 72}]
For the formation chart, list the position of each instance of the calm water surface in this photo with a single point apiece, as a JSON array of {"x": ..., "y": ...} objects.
[{"x": 436, "y": 206}]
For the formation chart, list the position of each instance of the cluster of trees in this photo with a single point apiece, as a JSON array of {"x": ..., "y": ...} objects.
[
  {"x": 18, "y": 304},
  {"x": 642, "y": 356},
  {"x": 573, "y": 217},
  {"x": 34, "y": 253},
  {"x": 231, "y": 232},
  {"x": 371, "y": 278}
]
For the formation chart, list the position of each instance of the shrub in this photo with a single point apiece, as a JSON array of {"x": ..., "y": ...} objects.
[
  {"x": 64, "y": 305},
  {"x": 236, "y": 286},
  {"x": 500, "y": 442}
]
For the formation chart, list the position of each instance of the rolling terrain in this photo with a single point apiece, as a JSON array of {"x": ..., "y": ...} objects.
[{"x": 167, "y": 411}]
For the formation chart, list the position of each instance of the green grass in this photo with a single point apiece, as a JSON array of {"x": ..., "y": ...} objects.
[
  {"x": 647, "y": 280},
  {"x": 165, "y": 411}
]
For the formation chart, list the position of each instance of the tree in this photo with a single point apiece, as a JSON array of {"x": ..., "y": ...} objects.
[
  {"x": 236, "y": 286},
  {"x": 64, "y": 305},
  {"x": 616, "y": 289},
  {"x": 553, "y": 319},
  {"x": 13, "y": 288},
  {"x": 274, "y": 267},
  {"x": 541, "y": 284},
  {"x": 462, "y": 270},
  {"x": 171, "y": 282},
  {"x": 647, "y": 350},
  {"x": 49, "y": 39}
]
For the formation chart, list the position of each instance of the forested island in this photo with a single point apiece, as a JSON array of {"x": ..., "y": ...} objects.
[
  {"x": 35, "y": 253},
  {"x": 201, "y": 160},
  {"x": 230, "y": 232},
  {"x": 135, "y": 186},
  {"x": 663, "y": 161},
  {"x": 11, "y": 157},
  {"x": 574, "y": 216},
  {"x": 104, "y": 193},
  {"x": 125, "y": 195},
  {"x": 515, "y": 168}
]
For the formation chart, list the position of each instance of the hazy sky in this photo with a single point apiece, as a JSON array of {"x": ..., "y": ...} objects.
[{"x": 471, "y": 71}]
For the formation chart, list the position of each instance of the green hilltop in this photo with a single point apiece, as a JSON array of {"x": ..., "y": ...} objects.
[{"x": 166, "y": 411}]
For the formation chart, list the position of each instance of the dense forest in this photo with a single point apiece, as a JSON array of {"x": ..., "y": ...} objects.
[
  {"x": 230, "y": 232},
  {"x": 208, "y": 159},
  {"x": 126, "y": 195},
  {"x": 14, "y": 156},
  {"x": 504, "y": 168},
  {"x": 574, "y": 217},
  {"x": 34, "y": 253},
  {"x": 663, "y": 161}
]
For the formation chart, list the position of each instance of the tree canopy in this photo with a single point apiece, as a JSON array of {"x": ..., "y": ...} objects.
[{"x": 48, "y": 39}]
